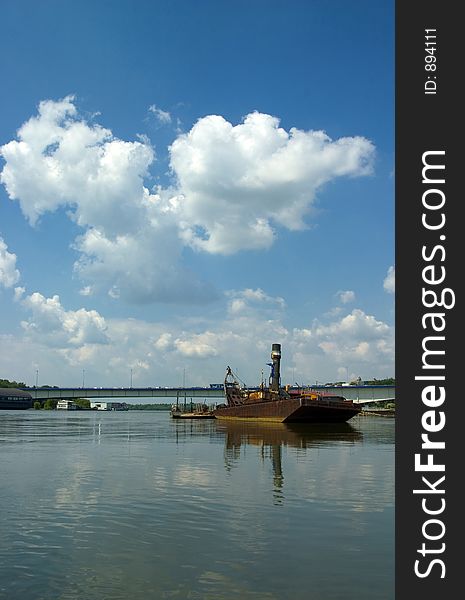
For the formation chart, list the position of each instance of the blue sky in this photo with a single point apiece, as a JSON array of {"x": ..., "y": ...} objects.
[{"x": 185, "y": 183}]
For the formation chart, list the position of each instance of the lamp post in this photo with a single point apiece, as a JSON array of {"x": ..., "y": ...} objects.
[
  {"x": 131, "y": 379},
  {"x": 83, "y": 373}
]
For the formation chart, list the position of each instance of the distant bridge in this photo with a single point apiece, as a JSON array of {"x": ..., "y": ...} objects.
[
  {"x": 361, "y": 394},
  {"x": 124, "y": 392}
]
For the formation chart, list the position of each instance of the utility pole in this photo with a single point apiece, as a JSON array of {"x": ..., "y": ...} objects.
[{"x": 184, "y": 386}]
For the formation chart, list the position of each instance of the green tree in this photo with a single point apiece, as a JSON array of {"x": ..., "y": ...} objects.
[
  {"x": 37, "y": 405},
  {"x": 6, "y": 383},
  {"x": 50, "y": 404},
  {"x": 388, "y": 381},
  {"x": 83, "y": 403}
]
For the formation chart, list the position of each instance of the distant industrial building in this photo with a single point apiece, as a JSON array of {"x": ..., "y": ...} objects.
[
  {"x": 67, "y": 405},
  {"x": 109, "y": 405},
  {"x": 13, "y": 399}
]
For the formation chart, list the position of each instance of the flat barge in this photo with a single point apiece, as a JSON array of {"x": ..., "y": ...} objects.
[{"x": 275, "y": 404}]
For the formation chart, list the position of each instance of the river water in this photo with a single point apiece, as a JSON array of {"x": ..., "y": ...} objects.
[{"x": 135, "y": 505}]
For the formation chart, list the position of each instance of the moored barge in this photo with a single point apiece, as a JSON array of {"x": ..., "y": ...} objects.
[{"x": 273, "y": 403}]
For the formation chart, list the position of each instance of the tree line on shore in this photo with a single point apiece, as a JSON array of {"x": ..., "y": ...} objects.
[
  {"x": 84, "y": 404},
  {"x": 51, "y": 404},
  {"x": 6, "y": 383}
]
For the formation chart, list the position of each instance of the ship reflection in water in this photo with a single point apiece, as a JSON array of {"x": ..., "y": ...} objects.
[{"x": 270, "y": 438}]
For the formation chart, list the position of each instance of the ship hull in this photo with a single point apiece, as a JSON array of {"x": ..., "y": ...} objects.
[
  {"x": 291, "y": 410},
  {"x": 192, "y": 415}
]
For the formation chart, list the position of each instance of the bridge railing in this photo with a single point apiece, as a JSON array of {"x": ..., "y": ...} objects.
[{"x": 360, "y": 394}]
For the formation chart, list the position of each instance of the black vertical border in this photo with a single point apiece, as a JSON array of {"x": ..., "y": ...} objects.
[{"x": 428, "y": 122}]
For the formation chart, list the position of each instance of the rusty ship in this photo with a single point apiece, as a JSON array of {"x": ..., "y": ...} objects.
[{"x": 276, "y": 404}]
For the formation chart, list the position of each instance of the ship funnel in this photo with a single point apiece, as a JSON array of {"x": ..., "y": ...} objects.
[{"x": 275, "y": 371}]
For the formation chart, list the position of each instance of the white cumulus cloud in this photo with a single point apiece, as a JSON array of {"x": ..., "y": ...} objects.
[
  {"x": 389, "y": 283},
  {"x": 140, "y": 268},
  {"x": 130, "y": 245},
  {"x": 250, "y": 299},
  {"x": 232, "y": 186},
  {"x": 61, "y": 160},
  {"x": 9, "y": 274},
  {"x": 356, "y": 336},
  {"x": 162, "y": 352},
  {"x": 345, "y": 297},
  {"x": 162, "y": 116},
  {"x": 19, "y": 293},
  {"x": 201, "y": 345},
  {"x": 52, "y": 324},
  {"x": 238, "y": 181}
]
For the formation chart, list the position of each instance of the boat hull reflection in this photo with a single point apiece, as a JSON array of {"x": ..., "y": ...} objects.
[
  {"x": 271, "y": 437},
  {"x": 297, "y": 435}
]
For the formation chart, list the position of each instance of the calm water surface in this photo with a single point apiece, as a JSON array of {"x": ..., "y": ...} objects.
[{"x": 134, "y": 505}]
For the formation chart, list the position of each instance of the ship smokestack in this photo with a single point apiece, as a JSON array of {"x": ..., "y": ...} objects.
[{"x": 275, "y": 373}]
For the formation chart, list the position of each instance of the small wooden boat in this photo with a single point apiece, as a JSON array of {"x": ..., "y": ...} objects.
[{"x": 191, "y": 411}]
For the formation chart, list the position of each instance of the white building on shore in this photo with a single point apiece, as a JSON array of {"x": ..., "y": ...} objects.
[
  {"x": 108, "y": 405},
  {"x": 67, "y": 405}
]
